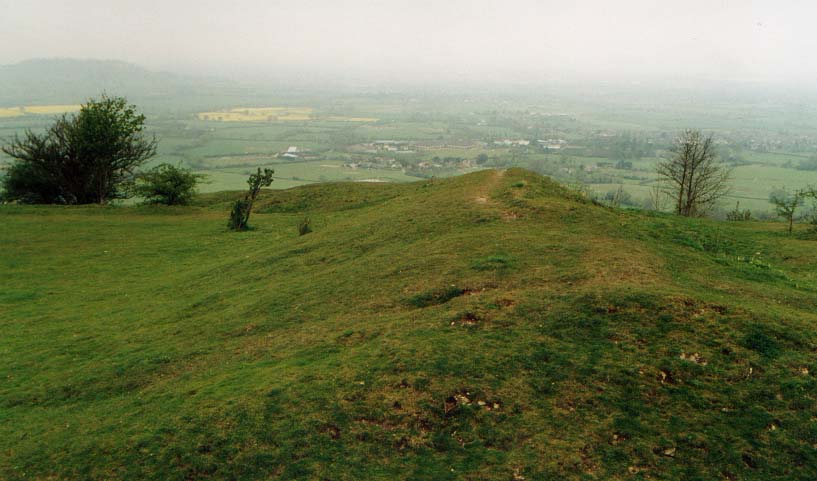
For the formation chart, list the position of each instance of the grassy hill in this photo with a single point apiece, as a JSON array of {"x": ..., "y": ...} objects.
[{"x": 492, "y": 326}]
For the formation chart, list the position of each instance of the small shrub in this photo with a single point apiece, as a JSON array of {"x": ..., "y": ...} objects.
[
  {"x": 167, "y": 185},
  {"x": 761, "y": 343},
  {"x": 304, "y": 227},
  {"x": 239, "y": 215},
  {"x": 738, "y": 215}
]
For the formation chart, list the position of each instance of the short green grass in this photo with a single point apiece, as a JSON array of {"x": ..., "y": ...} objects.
[{"x": 489, "y": 326}]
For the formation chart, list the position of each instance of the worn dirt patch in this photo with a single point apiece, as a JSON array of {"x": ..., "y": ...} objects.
[
  {"x": 469, "y": 319},
  {"x": 483, "y": 193}
]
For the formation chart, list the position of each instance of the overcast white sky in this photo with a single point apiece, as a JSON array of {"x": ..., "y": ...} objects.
[{"x": 710, "y": 39}]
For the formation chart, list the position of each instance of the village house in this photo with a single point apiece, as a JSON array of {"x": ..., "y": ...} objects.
[
  {"x": 291, "y": 153},
  {"x": 510, "y": 142},
  {"x": 552, "y": 144}
]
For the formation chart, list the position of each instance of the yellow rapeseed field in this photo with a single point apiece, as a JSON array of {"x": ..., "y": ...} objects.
[
  {"x": 10, "y": 112},
  {"x": 37, "y": 110},
  {"x": 343, "y": 118},
  {"x": 50, "y": 109},
  {"x": 273, "y": 114},
  {"x": 259, "y": 114}
]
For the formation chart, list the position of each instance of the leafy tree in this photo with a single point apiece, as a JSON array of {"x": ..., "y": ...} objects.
[
  {"x": 786, "y": 204},
  {"x": 240, "y": 214},
  {"x": 82, "y": 158},
  {"x": 811, "y": 193},
  {"x": 694, "y": 178},
  {"x": 166, "y": 184},
  {"x": 111, "y": 141}
]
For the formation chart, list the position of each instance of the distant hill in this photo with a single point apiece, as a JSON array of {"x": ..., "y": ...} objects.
[
  {"x": 492, "y": 326},
  {"x": 72, "y": 81}
]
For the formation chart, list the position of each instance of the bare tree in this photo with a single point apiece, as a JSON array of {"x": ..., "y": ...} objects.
[
  {"x": 658, "y": 196},
  {"x": 693, "y": 177}
]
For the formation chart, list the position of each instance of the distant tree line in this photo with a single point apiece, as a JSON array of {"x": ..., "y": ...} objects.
[{"x": 808, "y": 164}]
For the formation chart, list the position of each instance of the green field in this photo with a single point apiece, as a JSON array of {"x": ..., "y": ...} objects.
[
  {"x": 491, "y": 326},
  {"x": 290, "y": 174},
  {"x": 751, "y": 185},
  {"x": 446, "y": 133}
]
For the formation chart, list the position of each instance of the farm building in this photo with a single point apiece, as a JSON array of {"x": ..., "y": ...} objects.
[{"x": 291, "y": 153}]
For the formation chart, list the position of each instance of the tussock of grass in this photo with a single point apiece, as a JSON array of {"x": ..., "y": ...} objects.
[
  {"x": 495, "y": 262},
  {"x": 435, "y": 297}
]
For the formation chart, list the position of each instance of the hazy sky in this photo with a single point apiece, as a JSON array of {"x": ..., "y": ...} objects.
[{"x": 420, "y": 39}]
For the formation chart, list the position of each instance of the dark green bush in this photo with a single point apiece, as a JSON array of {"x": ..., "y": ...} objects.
[
  {"x": 239, "y": 215},
  {"x": 28, "y": 183},
  {"x": 166, "y": 184},
  {"x": 762, "y": 343}
]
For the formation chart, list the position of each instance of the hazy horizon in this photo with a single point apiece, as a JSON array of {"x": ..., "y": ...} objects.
[{"x": 420, "y": 41}]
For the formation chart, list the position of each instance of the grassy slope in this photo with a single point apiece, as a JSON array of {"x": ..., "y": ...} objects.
[{"x": 490, "y": 326}]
